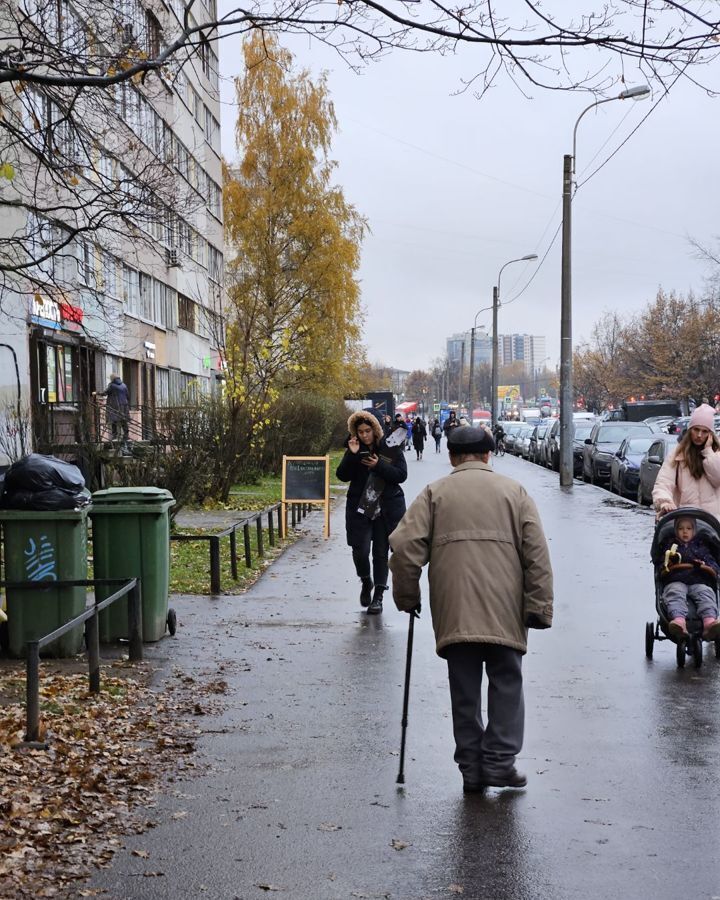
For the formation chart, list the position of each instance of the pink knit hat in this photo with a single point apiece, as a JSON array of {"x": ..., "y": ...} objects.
[{"x": 703, "y": 417}]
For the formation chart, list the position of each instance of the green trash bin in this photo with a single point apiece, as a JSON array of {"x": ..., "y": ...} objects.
[
  {"x": 45, "y": 546},
  {"x": 131, "y": 539}
]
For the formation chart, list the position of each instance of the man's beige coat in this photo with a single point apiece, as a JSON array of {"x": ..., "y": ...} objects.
[{"x": 489, "y": 561}]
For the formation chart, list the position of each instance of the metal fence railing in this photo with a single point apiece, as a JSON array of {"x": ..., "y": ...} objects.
[
  {"x": 127, "y": 587},
  {"x": 274, "y": 513}
]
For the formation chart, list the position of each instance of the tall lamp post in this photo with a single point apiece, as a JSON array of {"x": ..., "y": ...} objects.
[
  {"x": 471, "y": 378},
  {"x": 495, "y": 305},
  {"x": 566, "y": 399}
]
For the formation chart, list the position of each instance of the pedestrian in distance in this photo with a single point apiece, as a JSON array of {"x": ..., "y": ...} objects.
[
  {"x": 436, "y": 431},
  {"x": 375, "y": 502},
  {"x": 690, "y": 474},
  {"x": 117, "y": 408},
  {"x": 450, "y": 423},
  {"x": 690, "y": 572},
  {"x": 387, "y": 425},
  {"x": 408, "y": 428},
  {"x": 490, "y": 580},
  {"x": 419, "y": 433}
]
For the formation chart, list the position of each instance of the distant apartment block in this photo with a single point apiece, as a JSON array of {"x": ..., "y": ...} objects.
[
  {"x": 529, "y": 349},
  {"x": 458, "y": 348}
]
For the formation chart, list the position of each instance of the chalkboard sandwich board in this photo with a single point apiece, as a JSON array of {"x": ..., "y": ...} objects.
[{"x": 306, "y": 479}]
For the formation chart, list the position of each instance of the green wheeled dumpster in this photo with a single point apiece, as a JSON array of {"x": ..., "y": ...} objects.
[
  {"x": 45, "y": 546},
  {"x": 131, "y": 539}
]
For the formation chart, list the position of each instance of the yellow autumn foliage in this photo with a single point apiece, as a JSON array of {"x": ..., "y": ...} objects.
[{"x": 294, "y": 300}]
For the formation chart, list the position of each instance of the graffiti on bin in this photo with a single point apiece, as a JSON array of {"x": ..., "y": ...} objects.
[{"x": 40, "y": 562}]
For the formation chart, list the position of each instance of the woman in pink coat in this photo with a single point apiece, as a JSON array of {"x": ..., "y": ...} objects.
[{"x": 690, "y": 475}]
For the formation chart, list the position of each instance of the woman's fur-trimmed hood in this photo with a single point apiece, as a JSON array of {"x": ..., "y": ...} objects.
[{"x": 364, "y": 418}]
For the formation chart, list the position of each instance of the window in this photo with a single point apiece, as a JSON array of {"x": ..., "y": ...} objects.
[
  {"x": 145, "y": 308},
  {"x": 186, "y": 313},
  {"x": 184, "y": 237},
  {"x": 86, "y": 263},
  {"x": 214, "y": 195},
  {"x": 215, "y": 264},
  {"x": 131, "y": 290},
  {"x": 56, "y": 370},
  {"x": 109, "y": 274},
  {"x": 212, "y": 129},
  {"x": 153, "y": 35},
  {"x": 162, "y": 387}
]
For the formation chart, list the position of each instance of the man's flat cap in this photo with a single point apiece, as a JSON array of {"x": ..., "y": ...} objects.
[{"x": 466, "y": 439}]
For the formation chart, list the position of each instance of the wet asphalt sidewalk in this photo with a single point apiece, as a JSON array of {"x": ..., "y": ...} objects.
[{"x": 295, "y": 794}]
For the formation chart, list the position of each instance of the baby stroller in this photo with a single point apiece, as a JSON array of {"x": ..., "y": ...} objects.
[{"x": 709, "y": 527}]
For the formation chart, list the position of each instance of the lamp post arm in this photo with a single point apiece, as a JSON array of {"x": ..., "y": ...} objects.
[{"x": 577, "y": 122}]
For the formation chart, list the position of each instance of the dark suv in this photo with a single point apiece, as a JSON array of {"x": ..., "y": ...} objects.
[
  {"x": 580, "y": 430},
  {"x": 602, "y": 444}
]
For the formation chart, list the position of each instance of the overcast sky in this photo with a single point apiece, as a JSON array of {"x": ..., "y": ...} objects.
[{"x": 453, "y": 187}]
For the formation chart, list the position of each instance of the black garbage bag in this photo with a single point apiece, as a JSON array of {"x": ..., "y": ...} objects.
[{"x": 38, "y": 482}]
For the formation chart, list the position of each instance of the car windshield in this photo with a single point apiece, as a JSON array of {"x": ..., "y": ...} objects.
[
  {"x": 614, "y": 434},
  {"x": 638, "y": 445},
  {"x": 583, "y": 431}
]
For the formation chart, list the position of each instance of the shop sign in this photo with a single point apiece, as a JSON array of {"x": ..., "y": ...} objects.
[
  {"x": 71, "y": 317},
  {"x": 45, "y": 311},
  {"x": 149, "y": 350}
]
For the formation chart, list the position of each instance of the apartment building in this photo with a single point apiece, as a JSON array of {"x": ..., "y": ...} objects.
[
  {"x": 121, "y": 222},
  {"x": 458, "y": 348},
  {"x": 529, "y": 349}
]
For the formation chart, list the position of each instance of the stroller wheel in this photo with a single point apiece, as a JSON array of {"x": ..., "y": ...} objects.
[
  {"x": 650, "y": 639},
  {"x": 697, "y": 650},
  {"x": 680, "y": 655}
]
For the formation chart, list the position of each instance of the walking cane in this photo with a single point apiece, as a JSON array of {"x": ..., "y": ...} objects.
[{"x": 411, "y": 627}]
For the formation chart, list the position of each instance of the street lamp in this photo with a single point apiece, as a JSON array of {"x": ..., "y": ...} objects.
[
  {"x": 495, "y": 304},
  {"x": 566, "y": 400},
  {"x": 471, "y": 404}
]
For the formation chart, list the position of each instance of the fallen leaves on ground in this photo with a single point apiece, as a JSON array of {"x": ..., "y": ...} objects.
[
  {"x": 397, "y": 844},
  {"x": 63, "y": 807}
]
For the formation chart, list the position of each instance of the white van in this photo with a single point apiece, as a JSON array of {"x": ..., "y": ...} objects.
[{"x": 529, "y": 413}]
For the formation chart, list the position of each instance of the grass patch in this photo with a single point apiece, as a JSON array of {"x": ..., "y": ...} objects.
[{"x": 190, "y": 562}]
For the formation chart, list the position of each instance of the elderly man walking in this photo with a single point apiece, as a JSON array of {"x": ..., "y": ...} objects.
[{"x": 490, "y": 580}]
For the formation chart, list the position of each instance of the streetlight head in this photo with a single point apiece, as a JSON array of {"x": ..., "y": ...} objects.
[
  {"x": 530, "y": 256},
  {"x": 634, "y": 93}
]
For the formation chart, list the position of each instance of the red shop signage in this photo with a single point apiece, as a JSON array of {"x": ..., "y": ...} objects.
[{"x": 71, "y": 314}]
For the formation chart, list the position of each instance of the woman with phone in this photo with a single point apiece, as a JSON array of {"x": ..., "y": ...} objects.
[{"x": 375, "y": 467}]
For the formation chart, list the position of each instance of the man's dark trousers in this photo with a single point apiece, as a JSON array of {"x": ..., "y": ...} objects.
[{"x": 486, "y": 750}]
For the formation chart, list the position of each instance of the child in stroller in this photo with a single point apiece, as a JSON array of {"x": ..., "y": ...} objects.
[
  {"x": 689, "y": 571},
  {"x": 686, "y": 556}
]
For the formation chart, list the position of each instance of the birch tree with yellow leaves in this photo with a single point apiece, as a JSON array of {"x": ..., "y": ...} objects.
[{"x": 294, "y": 313}]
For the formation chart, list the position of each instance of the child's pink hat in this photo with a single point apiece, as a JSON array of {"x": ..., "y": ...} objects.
[{"x": 703, "y": 417}]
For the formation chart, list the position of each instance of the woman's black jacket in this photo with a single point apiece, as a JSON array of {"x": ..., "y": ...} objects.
[{"x": 392, "y": 468}]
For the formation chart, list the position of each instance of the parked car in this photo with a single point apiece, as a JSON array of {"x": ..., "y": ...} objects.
[
  {"x": 678, "y": 425},
  {"x": 661, "y": 423},
  {"x": 536, "y": 438},
  {"x": 523, "y": 442},
  {"x": 512, "y": 429},
  {"x": 580, "y": 430},
  {"x": 650, "y": 465},
  {"x": 625, "y": 466},
  {"x": 603, "y": 443}
]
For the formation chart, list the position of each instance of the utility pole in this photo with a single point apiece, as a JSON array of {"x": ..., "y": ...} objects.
[
  {"x": 566, "y": 414},
  {"x": 494, "y": 377},
  {"x": 471, "y": 405}
]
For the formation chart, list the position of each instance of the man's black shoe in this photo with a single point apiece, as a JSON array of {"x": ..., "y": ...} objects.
[
  {"x": 512, "y": 779},
  {"x": 376, "y": 603},
  {"x": 366, "y": 591}
]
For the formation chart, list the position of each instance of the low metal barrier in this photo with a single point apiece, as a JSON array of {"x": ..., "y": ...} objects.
[
  {"x": 128, "y": 587},
  {"x": 272, "y": 512}
]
